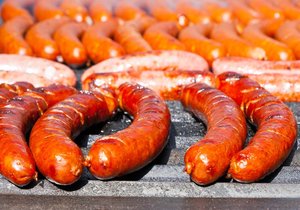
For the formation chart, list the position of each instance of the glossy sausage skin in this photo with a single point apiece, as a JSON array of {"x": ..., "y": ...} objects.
[
  {"x": 127, "y": 10},
  {"x": 50, "y": 70},
  {"x": 57, "y": 157},
  {"x": 17, "y": 117},
  {"x": 154, "y": 60},
  {"x": 276, "y": 128},
  {"x": 8, "y": 91},
  {"x": 45, "y": 9},
  {"x": 167, "y": 84},
  {"x": 209, "y": 158},
  {"x": 16, "y": 8},
  {"x": 280, "y": 78},
  {"x": 129, "y": 150},
  {"x": 100, "y": 10},
  {"x": 76, "y": 9}
]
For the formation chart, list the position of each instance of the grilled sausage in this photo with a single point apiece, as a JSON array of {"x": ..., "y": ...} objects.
[
  {"x": 100, "y": 10},
  {"x": 17, "y": 117},
  {"x": 45, "y": 9},
  {"x": 276, "y": 128},
  {"x": 129, "y": 150},
  {"x": 267, "y": 9},
  {"x": 8, "y": 91},
  {"x": 76, "y": 9},
  {"x": 218, "y": 10},
  {"x": 226, "y": 132},
  {"x": 288, "y": 8},
  {"x": 57, "y": 157},
  {"x": 52, "y": 71},
  {"x": 14, "y": 8},
  {"x": 127, "y": 10},
  {"x": 154, "y": 60}
]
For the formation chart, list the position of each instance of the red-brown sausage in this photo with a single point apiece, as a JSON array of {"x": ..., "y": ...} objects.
[
  {"x": 8, "y": 91},
  {"x": 280, "y": 78},
  {"x": 129, "y": 150},
  {"x": 276, "y": 128},
  {"x": 167, "y": 84},
  {"x": 209, "y": 158},
  {"x": 16, "y": 117},
  {"x": 57, "y": 157},
  {"x": 154, "y": 60},
  {"x": 14, "y": 8},
  {"x": 76, "y": 9},
  {"x": 12, "y": 34},
  {"x": 100, "y": 10},
  {"x": 68, "y": 40},
  {"x": 40, "y": 37},
  {"x": 50, "y": 70},
  {"x": 45, "y": 9},
  {"x": 98, "y": 43}
]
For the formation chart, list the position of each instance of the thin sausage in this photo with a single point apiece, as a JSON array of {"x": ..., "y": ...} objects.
[
  {"x": 129, "y": 150},
  {"x": 276, "y": 128}
]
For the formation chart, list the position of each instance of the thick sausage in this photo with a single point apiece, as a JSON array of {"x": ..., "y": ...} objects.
[
  {"x": 280, "y": 78},
  {"x": 8, "y": 91},
  {"x": 129, "y": 150},
  {"x": 195, "y": 38},
  {"x": 154, "y": 60},
  {"x": 167, "y": 84},
  {"x": 127, "y": 10},
  {"x": 68, "y": 39},
  {"x": 45, "y": 9},
  {"x": 16, "y": 117},
  {"x": 100, "y": 10},
  {"x": 14, "y": 8},
  {"x": 209, "y": 158},
  {"x": 76, "y": 9},
  {"x": 52, "y": 71},
  {"x": 276, "y": 128},
  {"x": 98, "y": 43},
  {"x": 226, "y": 34},
  {"x": 130, "y": 35},
  {"x": 266, "y": 8},
  {"x": 57, "y": 157},
  {"x": 40, "y": 37},
  {"x": 12, "y": 36}
]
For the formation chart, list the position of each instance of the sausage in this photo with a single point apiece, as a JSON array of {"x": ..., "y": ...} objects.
[
  {"x": 226, "y": 132},
  {"x": 14, "y": 8},
  {"x": 8, "y": 91},
  {"x": 40, "y": 37},
  {"x": 218, "y": 10},
  {"x": 16, "y": 117},
  {"x": 12, "y": 36},
  {"x": 280, "y": 78},
  {"x": 167, "y": 84},
  {"x": 276, "y": 128},
  {"x": 289, "y": 34},
  {"x": 50, "y": 70},
  {"x": 258, "y": 35},
  {"x": 68, "y": 40},
  {"x": 128, "y": 150},
  {"x": 226, "y": 34},
  {"x": 127, "y": 10},
  {"x": 267, "y": 9},
  {"x": 76, "y": 9},
  {"x": 98, "y": 43},
  {"x": 288, "y": 8},
  {"x": 57, "y": 157},
  {"x": 130, "y": 35},
  {"x": 162, "y": 36},
  {"x": 154, "y": 60},
  {"x": 100, "y": 10},
  {"x": 196, "y": 40},
  {"x": 45, "y": 9}
]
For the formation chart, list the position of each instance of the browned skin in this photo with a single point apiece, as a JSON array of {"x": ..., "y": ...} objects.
[
  {"x": 13, "y": 8},
  {"x": 12, "y": 36},
  {"x": 100, "y": 10},
  {"x": 162, "y": 36},
  {"x": 167, "y": 84},
  {"x": 130, "y": 35},
  {"x": 130, "y": 149},
  {"x": 8, "y": 91},
  {"x": 57, "y": 157},
  {"x": 226, "y": 34},
  {"x": 68, "y": 38},
  {"x": 195, "y": 38},
  {"x": 76, "y": 9},
  {"x": 267, "y": 9},
  {"x": 276, "y": 128},
  {"x": 98, "y": 42},
  {"x": 127, "y": 10},
  {"x": 16, "y": 118},
  {"x": 209, "y": 158},
  {"x": 40, "y": 37},
  {"x": 45, "y": 9}
]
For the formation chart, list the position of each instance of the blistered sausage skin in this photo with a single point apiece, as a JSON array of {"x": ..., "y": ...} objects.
[
  {"x": 167, "y": 84},
  {"x": 226, "y": 132},
  {"x": 129, "y": 150},
  {"x": 57, "y": 157},
  {"x": 276, "y": 128},
  {"x": 17, "y": 117},
  {"x": 16, "y": 8}
]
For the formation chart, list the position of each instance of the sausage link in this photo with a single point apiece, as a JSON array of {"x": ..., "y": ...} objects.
[
  {"x": 16, "y": 8},
  {"x": 98, "y": 43},
  {"x": 128, "y": 150},
  {"x": 167, "y": 84},
  {"x": 40, "y": 37},
  {"x": 127, "y": 10},
  {"x": 8, "y": 91},
  {"x": 45, "y": 9},
  {"x": 226, "y": 132},
  {"x": 57, "y": 157},
  {"x": 100, "y": 10},
  {"x": 12, "y": 36},
  {"x": 67, "y": 38},
  {"x": 267, "y": 9},
  {"x": 276, "y": 128},
  {"x": 218, "y": 10},
  {"x": 76, "y": 9},
  {"x": 154, "y": 60},
  {"x": 289, "y": 9},
  {"x": 16, "y": 118}
]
